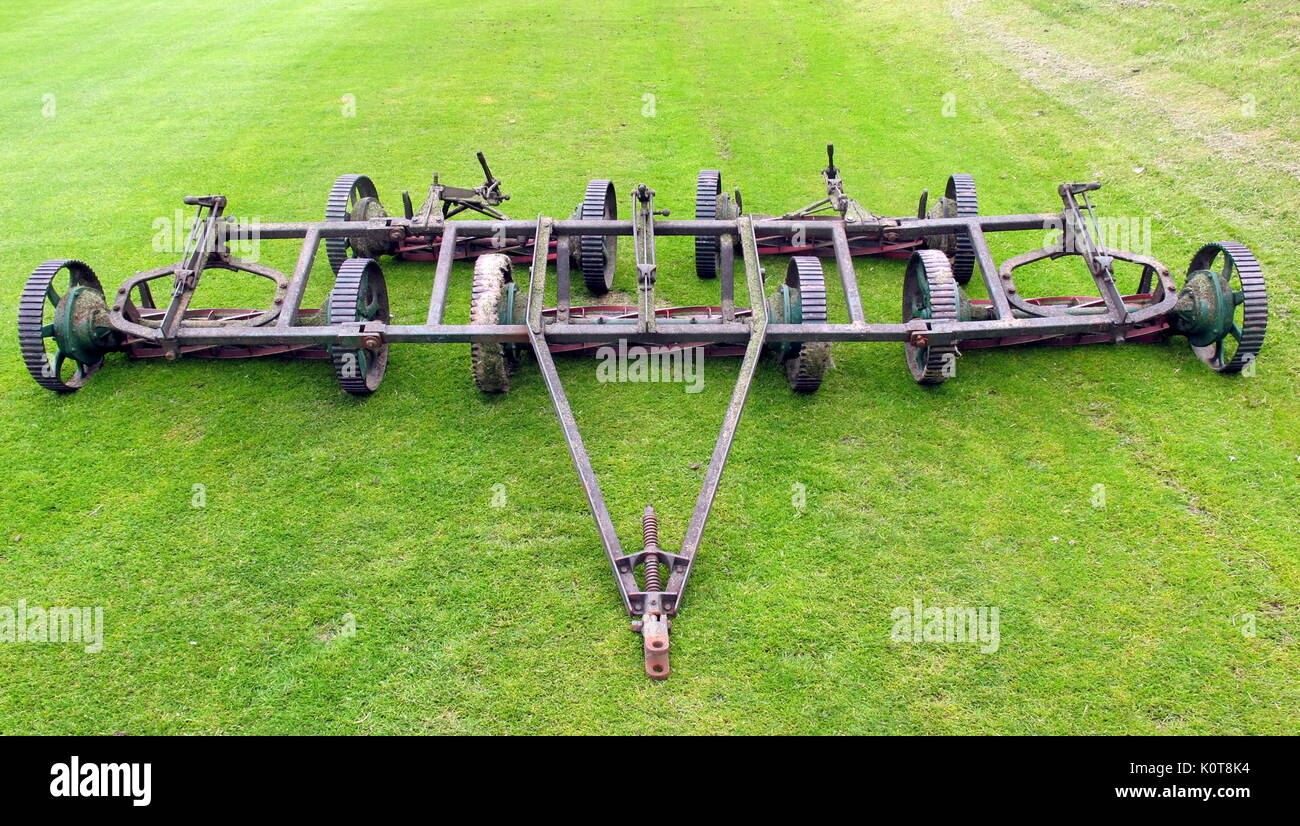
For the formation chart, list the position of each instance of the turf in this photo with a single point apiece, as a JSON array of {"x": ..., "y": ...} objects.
[{"x": 322, "y": 510}]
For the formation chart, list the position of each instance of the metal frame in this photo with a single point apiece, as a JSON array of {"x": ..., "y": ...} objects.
[
  {"x": 867, "y": 233},
  {"x": 1005, "y": 317},
  {"x": 1011, "y": 314}
]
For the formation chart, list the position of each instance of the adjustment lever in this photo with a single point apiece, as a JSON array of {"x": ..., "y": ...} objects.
[
  {"x": 1079, "y": 189},
  {"x": 487, "y": 173},
  {"x": 210, "y": 201}
]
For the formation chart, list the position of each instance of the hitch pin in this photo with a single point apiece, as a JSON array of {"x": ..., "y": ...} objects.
[{"x": 654, "y": 630}]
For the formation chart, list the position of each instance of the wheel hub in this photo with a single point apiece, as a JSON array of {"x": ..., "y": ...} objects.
[
  {"x": 1205, "y": 308},
  {"x": 367, "y": 209},
  {"x": 81, "y": 326}
]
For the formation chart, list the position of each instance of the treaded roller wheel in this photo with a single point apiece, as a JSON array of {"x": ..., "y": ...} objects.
[
  {"x": 597, "y": 254},
  {"x": 33, "y": 329},
  {"x": 359, "y": 294},
  {"x": 493, "y": 300},
  {"x": 708, "y": 186},
  {"x": 349, "y": 194},
  {"x": 930, "y": 292},
  {"x": 1248, "y": 332},
  {"x": 802, "y": 300}
]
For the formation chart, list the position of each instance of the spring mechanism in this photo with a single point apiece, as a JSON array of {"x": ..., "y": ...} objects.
[{"x": 650, "y": 542}]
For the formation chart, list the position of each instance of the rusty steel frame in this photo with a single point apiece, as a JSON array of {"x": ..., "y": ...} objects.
[
  {"x": 1009, "y": 317},
  {"x": 867, "y": 233},
  {"x": 1031, "y": 319}
]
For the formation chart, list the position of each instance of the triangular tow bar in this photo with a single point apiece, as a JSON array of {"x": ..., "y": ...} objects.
[{"x": 652, "y": 603}]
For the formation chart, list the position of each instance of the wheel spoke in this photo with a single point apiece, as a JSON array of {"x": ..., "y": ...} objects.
[
  {"x": 1235, "y": 331},
  {"x": 52, "y": 295},
  {"x": 47, "y": 331},
  {"x": 1226, "y": 272}
]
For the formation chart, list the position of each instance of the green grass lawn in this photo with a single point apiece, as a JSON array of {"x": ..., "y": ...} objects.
[{"x": 232, "y": 618}]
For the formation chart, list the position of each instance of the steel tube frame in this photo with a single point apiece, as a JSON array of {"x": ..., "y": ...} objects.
[
  {"x": 1011, "y": 317},
  {"x": 1000, "y": 286}
]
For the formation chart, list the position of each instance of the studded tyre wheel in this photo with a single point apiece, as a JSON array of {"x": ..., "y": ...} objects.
[
  {"x": 359, "y": 295},
  {"x": 802, "y": 300},
  {"x": 353, "y": 198},
  {"x": 597, "y": 254},
  {"x": 495, "y": 299},
  {"x": 708, "y": 186},
  {"x": 959, "y": 201},
  {"x": 1240, "y": 332},
  {"x": 42, "y": 311},
  {"x": 929, "y": 292}
]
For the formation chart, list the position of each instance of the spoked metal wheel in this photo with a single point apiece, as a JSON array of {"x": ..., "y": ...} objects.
[
  {"x": 802, "y": 300},
  {"x": 495, "y": 299},
  {"x": 597, "y": 253},
  {"x": 63, "y": 338},
  {"x": 708, "y": 186},
  {"x": 1223, "y": 306},
  {"x": 353, "y": 198},
  {"x": 359, "y": 295},
  {"x": 959, "y": 201},
  {"x": 929, "y": 292}
]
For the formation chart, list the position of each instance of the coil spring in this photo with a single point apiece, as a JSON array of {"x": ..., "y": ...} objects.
[{"x": 650, "y": 541}]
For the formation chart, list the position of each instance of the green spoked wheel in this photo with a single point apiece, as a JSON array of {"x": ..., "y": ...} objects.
[
  {"x": 359, "y": 295},
  {"x": 802, "y": 300},
  {"x": 495, "y": 299},
  {"x": 63, "y": 338},
  {"x": 930, "y": 292},
  {"x": 1223, "y": 307}
]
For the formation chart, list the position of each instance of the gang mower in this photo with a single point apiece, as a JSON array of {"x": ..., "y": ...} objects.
[
  {"x": 68, "y": 324},
  {"x": 867, "y": 233},
  {"x": 354, "y": 198}
]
